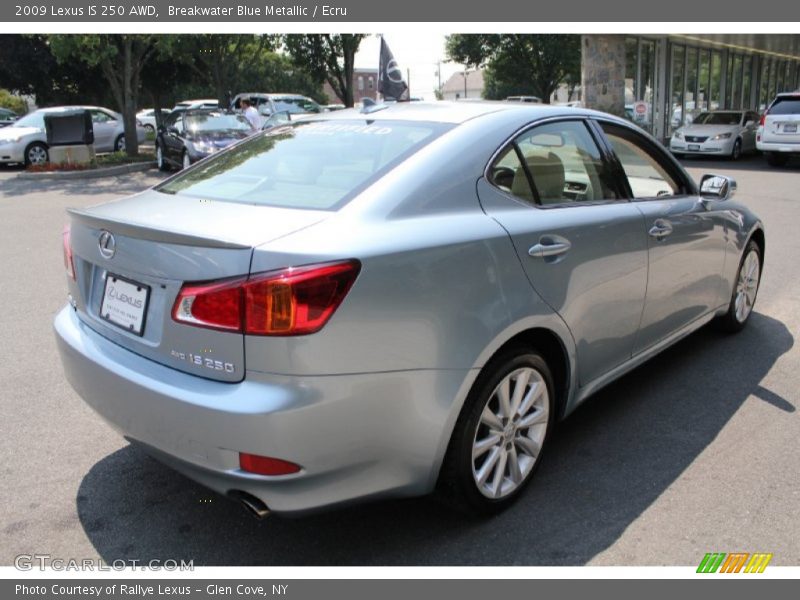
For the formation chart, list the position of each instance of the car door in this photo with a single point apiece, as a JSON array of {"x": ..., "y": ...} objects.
[
  {"x": 686, "y": 237},
  {"x": 104, "y": 127},
  {"x": 173, "y": 143},
  {"x": 581, "y": 242}
]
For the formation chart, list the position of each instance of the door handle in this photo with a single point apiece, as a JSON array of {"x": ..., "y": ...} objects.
[
  {"x": 550, "y": 246},
  {"x": 661, "y": 228}
]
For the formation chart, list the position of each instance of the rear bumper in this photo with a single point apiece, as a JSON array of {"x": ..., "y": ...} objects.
[
  {"x": 782, "y": 147},
  {"x": 356, "y": 436}
]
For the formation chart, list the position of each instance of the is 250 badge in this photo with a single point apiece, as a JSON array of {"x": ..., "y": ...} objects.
[{"x": 204, "y": 361}]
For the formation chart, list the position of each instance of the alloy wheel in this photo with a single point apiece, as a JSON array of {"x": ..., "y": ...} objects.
[
  {"x": 747, "y": 286},
  {"x": 510, "y": 433},
  {"x": 37, "y": 155}
]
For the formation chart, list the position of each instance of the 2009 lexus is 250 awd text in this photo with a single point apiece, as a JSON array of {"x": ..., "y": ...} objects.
[{"x": 394, "y": 301}]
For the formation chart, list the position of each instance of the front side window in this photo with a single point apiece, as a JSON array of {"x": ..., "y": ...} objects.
[
  {"x": 554, "y": 163},
  {"x": 309, "y": 165},
  {"x": 648, "y": 176}
]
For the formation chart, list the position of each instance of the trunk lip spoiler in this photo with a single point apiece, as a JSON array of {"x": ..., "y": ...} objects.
[{"x": 145, "y": 232}]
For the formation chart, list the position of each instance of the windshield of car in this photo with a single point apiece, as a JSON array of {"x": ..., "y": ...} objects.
[
  {"x": 787, "y": 105},
  {"x": 34, "y": 119},
  {"x": 296, "y": 105},
  {"x": 310, "y": 165},
  {"x": 206, "y": 122},
  {"x": 718, "y": 118}
]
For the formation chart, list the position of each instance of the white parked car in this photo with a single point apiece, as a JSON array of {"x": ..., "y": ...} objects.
[
  {"x": 147, "y": 117},
  {"x": 721, "y": 132},
  {"x": 25, "y": 141},
  {"x": 779, "y": 131}
]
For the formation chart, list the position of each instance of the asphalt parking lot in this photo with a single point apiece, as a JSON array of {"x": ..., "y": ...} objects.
[{"x": 694, "y": 452}]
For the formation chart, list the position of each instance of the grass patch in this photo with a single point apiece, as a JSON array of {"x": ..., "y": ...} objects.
[{"x": 112, "y": 159}]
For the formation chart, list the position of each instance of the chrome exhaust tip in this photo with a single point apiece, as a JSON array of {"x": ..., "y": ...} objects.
[{"x": 253, "y": 505}]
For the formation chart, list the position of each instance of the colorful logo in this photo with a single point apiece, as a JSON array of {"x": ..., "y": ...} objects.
[{"x": 735, "y": 562}]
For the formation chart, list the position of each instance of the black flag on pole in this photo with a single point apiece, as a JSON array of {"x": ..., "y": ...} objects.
[{"x": 390, "y": 77}]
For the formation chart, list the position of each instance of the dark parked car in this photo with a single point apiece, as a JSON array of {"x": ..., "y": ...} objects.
[
  {"x": 7, "y": 117},
  {"x": 187, "y": 136}
]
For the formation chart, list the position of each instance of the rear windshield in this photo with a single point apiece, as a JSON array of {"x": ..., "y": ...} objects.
[
  {"x": 313, "y": 165},
  {"x": 785, "y": 106}
]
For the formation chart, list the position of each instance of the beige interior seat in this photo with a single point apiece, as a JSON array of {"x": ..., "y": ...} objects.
[{"x": 548, "y": 176}]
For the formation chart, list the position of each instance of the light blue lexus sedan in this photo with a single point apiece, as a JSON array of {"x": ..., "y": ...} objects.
[{"x": 395, "y": 300}]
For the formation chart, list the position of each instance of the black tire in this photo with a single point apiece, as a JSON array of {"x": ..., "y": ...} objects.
[
  {"x": 36, "y": 149},
  {"x": 119, "y": 143},
  {"x": 736, "y": 151},
  {"x": 457, "y": 486},
  {"x": 729, "y": 322},
  {"x": 776, "y": 159},
  {"x": 160, "y": 161}
]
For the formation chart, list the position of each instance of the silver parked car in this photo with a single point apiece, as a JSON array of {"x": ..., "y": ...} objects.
[
  {"x": 729, "y": 133},
  {"x": 25, "y": 141},
  {"x": 393, "y": 301}
]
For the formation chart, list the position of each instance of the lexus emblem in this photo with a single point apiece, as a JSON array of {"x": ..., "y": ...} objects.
[
  {"x": 107, "y": 244},
  {"x": 393, "y": 72}
]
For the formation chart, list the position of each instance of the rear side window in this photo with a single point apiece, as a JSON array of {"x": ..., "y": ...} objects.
[
  {"x": 787, "y": 105},
  {"x": 314, "y": 165},
  {"x": 554, "y": 163}
]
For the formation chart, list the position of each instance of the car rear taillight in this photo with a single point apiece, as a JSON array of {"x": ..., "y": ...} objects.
[
  {"x": 294, "y": 301},
  {"x": 69, "y": 264},
  {"x": 763, "y": 119},
  {"x": 265, "y": 465}
]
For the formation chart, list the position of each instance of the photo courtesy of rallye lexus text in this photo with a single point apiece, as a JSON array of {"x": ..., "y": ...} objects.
[{"x": 394, "y": 300}]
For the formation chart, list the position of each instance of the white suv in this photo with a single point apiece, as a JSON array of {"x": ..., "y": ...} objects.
[{"x": 778, "y": 134}]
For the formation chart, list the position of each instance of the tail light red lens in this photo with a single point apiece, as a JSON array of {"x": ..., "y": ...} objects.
[
  {"x": 763, "y": 119},
  {"x": 69, "y": 264},
  {"x": 295, "y": 301},
  {"x": 265, "y": 465},
  {"x": 216, "y": 305}
]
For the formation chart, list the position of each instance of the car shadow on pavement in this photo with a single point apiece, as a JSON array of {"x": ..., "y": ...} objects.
[{"x": 605, "y": 466}]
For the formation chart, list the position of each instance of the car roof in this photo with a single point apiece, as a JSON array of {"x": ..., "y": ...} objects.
[
  {"x": 452, "y": 112},
  {"x": 75, "y": 107}
]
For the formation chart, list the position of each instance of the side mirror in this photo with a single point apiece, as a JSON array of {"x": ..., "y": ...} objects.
[
  {"x": 750, "y": 124},
  {"x": 717, "y": 187}
]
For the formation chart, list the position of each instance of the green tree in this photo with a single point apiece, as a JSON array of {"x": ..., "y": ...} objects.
[
  {"x": 29, "y": 68},
  {"x": 517, "y": 64},
  {"x": 121, "y": 58},
  {"x": 11, "y": 102},
  {"x": 328, "y": 57},
  {"x": 219, "y": 61}
]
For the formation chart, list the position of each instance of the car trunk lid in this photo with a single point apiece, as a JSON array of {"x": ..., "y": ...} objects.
[
  {"x": 782, "y": 121},
  {"x": 131, "y": 258}
]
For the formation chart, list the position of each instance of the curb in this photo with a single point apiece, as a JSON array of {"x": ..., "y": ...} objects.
[{"x": 90, "y": 173}]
